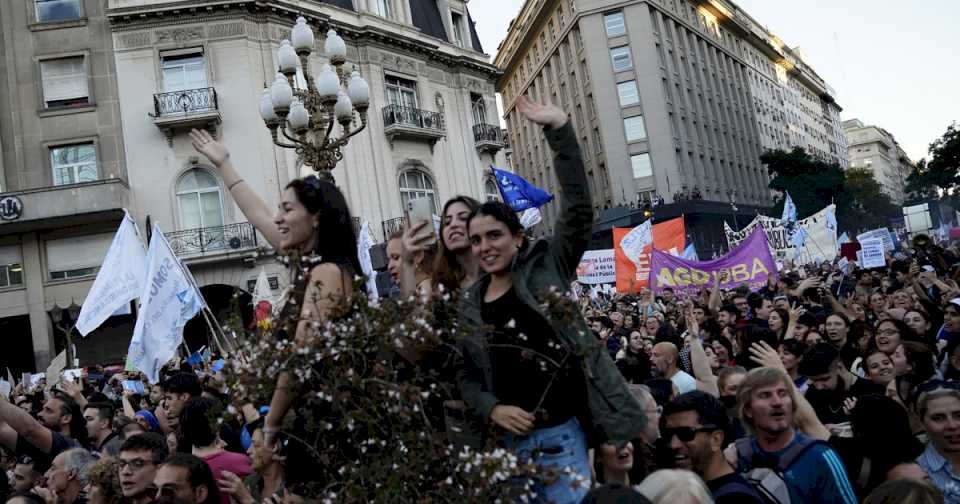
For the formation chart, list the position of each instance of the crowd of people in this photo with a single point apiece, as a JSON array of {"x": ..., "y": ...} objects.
[{"x": 825, "y": 386}]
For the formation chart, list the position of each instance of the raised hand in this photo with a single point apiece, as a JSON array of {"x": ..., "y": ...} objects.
[
  {"x": 205, "y": 144},
  {"x": 763, "y": 354},
  {"x": 548, "y": 114}
]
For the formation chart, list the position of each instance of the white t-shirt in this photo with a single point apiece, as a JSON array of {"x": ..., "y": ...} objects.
[{"x": 684, "y": 382}]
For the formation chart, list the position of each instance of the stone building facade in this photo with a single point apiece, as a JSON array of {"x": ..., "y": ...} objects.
[
  {"x": 672, "y": 99},
  {"x": 876, "y": 149}
]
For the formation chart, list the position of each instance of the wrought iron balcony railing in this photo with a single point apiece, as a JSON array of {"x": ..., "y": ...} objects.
[
  {"x": 199, "y": 241},
  {"x": 487, "y": 133},
  {"x": 190, "y": 101},
  {"x": 391, "y": 226},
  {"x": 407, "y": 116}
]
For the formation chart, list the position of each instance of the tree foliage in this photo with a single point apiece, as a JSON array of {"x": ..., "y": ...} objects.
[
  {"x": 942, "y": 170},
  {"x": 814, "y": 184}
]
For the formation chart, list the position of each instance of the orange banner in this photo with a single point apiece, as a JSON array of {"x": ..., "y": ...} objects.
[{"x": 669, "y": 236}]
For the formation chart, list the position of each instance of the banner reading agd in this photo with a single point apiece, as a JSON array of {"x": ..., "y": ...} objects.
[
  {"x": 668, "y": 235},
  {"x": 596, "y": 267},
  {"x": 750, "y": 263}
]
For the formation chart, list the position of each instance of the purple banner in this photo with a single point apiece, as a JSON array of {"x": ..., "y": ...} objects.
[{"x": 750, "y": 263}]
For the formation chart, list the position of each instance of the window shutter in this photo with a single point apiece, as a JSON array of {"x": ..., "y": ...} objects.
[
  {"x": 63, "y": 79},
  {"x": 77, "y": 253}
]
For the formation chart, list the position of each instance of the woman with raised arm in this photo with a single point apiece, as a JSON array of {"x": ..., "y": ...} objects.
[
  {"x": 543, "y": 383},
  {"x": 322, "y": 278}
]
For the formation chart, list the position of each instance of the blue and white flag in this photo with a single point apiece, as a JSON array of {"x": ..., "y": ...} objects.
[
  {"x": 843, "y": 239},
  {"x": 832, "y": 218},
  {"x": 789, "y": 210},
  {"x": 518, "y": 193},
  {"x": 690, "y": 253},
  {"x": 119, "y": 281},
  {"x": 364, "y": 242},
  {"x": 169, "y": 299},
  {"x": 530, "y": 217},
  {"x": 799, "y": 240}
]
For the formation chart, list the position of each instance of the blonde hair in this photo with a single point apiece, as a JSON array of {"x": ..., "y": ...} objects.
[
  {"x": 674, "y": 486},
  {"x": 759, "y": 378}
]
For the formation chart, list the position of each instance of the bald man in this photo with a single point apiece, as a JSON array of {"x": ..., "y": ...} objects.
[{"x": 664, "y": 358}]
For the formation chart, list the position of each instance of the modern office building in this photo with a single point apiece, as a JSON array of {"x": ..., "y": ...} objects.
[
  {"x": 63, "y": 175},
  {"x": 432, "y": 128},
  {"x": 671, "y": 99},
  {"x": 876, "y": 149}
]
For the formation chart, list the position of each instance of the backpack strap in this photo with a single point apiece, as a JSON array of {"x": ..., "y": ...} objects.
[
  {"x": 794, "y": 452},
  {"x": 734, "y": 489},
  {"x": 745, "y": 450}
]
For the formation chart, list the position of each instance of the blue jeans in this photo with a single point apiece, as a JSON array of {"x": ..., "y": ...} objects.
[{"x": 559, "y": 447}]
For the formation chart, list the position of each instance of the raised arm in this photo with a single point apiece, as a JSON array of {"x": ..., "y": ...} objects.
[
  {"x": 253, "y": 207},
  {"x": 706, "y": 381},
  {"x": 575, "y": 223},
  {"x": 24, "y": 425},
  {"x": 805, "y": 416}
]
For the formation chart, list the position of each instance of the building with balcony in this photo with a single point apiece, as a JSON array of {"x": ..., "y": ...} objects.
[
  {"x": 205, "y": 65},
  {"x": 876, "y": 149},
  {"x": 663, "y": 97},
  {"x": 63, "y": 176}
]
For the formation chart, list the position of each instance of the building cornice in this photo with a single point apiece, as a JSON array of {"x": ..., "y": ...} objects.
[{"x": 260, "y": 12}]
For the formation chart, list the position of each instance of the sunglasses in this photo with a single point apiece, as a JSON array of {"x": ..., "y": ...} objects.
[
  {"x": 685, "y": 434},
  {"x": 931, "y": 386}
]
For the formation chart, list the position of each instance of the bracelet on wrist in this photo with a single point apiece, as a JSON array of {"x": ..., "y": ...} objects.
[{"x": 231, "y": 186}]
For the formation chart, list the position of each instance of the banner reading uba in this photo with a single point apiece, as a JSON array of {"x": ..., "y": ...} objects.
[{"x": 750, "y": 263}]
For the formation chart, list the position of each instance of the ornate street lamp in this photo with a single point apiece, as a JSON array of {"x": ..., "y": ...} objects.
[{"x": 305, "y": 112}]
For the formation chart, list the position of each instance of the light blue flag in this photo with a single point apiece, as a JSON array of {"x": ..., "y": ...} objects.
[
  {"x": 690, "y": 253},
  {"x": 518, "y": 193},
  {"x": 799, "y": 241},
  {"x": 119, "y": 280},
  {"x": 169, "y": 299},
  {"x": 844, "y": 238},
  {"x": 789, "y": 210},
  {"x": 832, "y": 218}
]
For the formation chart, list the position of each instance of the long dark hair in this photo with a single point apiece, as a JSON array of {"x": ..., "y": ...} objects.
[
  {"x": 323, "y": 199},
  {"x": 446, "y": 268}
]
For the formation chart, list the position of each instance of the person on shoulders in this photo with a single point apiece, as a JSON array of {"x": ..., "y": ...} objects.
[{"x": 696, "y": 428}]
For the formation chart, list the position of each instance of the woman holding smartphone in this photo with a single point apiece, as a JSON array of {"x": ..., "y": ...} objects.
[{"x": 544, "y": 384}]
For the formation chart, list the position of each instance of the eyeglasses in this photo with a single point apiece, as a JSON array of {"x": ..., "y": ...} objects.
[
  {"x": 135, "y": 464},
  {"x": 888, "y": 332},
  {"x": 686, "y": 434}
]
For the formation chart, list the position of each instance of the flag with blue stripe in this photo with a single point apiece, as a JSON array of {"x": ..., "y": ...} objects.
[{"x": 519, "y": 194}]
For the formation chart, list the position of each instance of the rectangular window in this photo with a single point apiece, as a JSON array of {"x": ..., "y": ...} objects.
[
  {"x": 614, "y": 24},
  {"x": 621, "y": 58},
  {"x": 76, "y": 257},
  {"x": 628, "y": 93},
  {"x": 381, "y": 8},
  {"x": 73, "y": 164},
  {"x": 401, "y": 92},
  {"x": 479, "y": 108},
  {"x": 641, "y": 165},
  {"x": 183, "y": 71},
  {"x": 457, "y": 28},
  {"x": 597, "y": 142},
  {"x": 635, "y": 128},
  {"x": 11, "y": 266},
  {"x": 64, "y": 82},
  {"x": 57, "y": 10}
]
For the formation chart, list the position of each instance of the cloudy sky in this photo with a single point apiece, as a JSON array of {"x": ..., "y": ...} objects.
[{"x": 893, "y": 63}]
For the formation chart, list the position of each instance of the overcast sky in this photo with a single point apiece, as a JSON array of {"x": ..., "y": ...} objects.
[{"x": 893, "y": 63}]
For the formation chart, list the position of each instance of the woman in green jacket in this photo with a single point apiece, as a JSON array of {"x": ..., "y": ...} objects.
[{"x": 545, "y": 385}]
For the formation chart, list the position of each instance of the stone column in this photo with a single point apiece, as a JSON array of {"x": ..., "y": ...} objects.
[{"x": 40, "y": 325}]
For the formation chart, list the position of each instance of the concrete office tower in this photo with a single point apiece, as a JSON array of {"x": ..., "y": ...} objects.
[
  {"x": 63, "y": 176},
  {"x": 876, "y": 149},
  {"x": 671, "y": 99},
  {"x": 432, "y": 129}
]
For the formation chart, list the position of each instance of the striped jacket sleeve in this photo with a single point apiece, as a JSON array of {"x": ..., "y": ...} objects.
[{"x": 834, "y": 486}]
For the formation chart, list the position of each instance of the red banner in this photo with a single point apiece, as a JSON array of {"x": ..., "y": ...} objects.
[{"x": 668, "y": 236}]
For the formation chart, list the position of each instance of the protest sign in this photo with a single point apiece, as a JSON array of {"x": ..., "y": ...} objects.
[
  {"x": 72, "y": 374},
  {"x": 597, "y": 267},
  {"x": 882, "y": 234},
  {"x": 820, "y": 243},
  {"x": 750, "y": 263},
  {"x": 55, "y": 368},
  {"x": 872, "y": 253},
  {"x": 668, "y": 235}
]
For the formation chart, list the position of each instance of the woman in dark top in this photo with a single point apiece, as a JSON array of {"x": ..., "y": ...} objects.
[{"x": 543, "y": 383}]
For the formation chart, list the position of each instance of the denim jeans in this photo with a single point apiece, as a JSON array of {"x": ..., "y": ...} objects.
[{"x": 562, "y": 446}]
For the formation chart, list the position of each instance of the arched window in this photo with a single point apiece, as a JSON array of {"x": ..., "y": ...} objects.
[
  {"x": 198, "y": 196},
  {"x": 416, "y": 184},
  {"x": 490, "y": 190}
]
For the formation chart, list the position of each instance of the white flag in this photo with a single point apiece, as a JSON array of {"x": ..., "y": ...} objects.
[
  {"x": 530, "y": 217},
  {"x": 119, "y": 281},
  {"x": 633, "y": 242},
  {"x": 789, "y": 210},
  {"x": 261, "y": 291},
  {"x": 364, "y": 242},
  {"x": 169, "y": 299}
]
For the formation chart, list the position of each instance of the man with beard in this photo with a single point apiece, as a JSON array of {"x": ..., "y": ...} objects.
[
  {"x": 811, "y": 469},
  {"x": 696, "y": 429},
  {"x": 831, "y": 384},
  {"x": 185, "y": 479},
  {"x": 61, "y": 426}
]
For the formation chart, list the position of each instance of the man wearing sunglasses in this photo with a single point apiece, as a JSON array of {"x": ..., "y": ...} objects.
[{"x": 696, "y": 430}]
